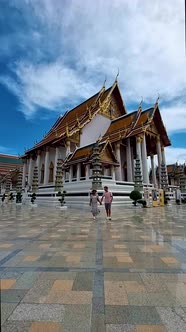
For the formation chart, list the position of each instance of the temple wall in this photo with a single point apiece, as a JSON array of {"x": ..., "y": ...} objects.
[{"x": 92, "y": 131}]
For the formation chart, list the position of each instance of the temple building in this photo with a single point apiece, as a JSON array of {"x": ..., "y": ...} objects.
[
  {"x": 10, "y": 167},
  {"x": 101, "y": 128}
]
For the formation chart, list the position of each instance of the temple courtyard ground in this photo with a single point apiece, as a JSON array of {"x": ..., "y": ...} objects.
[{"x": 61, "y": 271}]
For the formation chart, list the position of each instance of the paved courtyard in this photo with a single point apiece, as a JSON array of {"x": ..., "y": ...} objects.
[{"x": 60, "y": 271}]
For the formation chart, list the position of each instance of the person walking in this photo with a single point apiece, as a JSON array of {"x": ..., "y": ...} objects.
[
  {"x": 94, "y": 199},
  {"x": 108, "y": 197}
]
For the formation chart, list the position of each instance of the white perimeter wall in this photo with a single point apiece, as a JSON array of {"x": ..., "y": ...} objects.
[{"x": 91, "y": 132}]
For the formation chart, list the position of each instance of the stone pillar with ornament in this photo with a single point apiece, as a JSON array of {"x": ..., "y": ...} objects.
[
  {"x": 138, "y": 150},
  {"x": 153, "y": 171},
  {"x": 30, "y": 171},
  {"x": 46, "y": 173},
  {"x": 144, "y": 160},
  {"x": 24, "y": 173},
  {"x": 56, "y": 160},
  {"x": 118, "y": 157},
  {"x": 129, "y": 162},
  {"x": 159, "y": 155},
  {"x": 38, "y": 164}
]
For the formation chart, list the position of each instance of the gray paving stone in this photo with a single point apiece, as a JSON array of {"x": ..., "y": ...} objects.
[
  {"x": 38, "y": 312},
  {"x": 15, "y": 326},
  {"x": 120, "y": 328},
  {"x": 174, "y": 318},
  {"x": 131, "y": 315},
  {"x": 6, "y": 310}
]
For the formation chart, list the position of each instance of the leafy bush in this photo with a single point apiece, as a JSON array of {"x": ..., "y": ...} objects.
[
  {"x": 135, "y": 195},
  {"x": 178, "y": 201}
]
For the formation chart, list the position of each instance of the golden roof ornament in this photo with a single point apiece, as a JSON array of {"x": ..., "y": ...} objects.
[
  {"x": 78, "y": 121},
  {"x": 67, "y": 130}
]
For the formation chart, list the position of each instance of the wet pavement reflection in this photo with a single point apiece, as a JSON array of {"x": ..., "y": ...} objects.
[{"x": 62, "y": 271}]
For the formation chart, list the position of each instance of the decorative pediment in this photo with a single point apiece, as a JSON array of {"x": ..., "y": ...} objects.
[
  {"x": 152, "y": 129},
  {"x": 106, "y": 156}
]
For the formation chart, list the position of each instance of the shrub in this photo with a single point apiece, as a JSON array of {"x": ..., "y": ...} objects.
[
  {"x": 135, "y": 195},
  {"x": 178, "y": 201}
]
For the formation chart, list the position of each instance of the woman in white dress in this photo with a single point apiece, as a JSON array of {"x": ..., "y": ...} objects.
[{"x": 94, "y": 199}]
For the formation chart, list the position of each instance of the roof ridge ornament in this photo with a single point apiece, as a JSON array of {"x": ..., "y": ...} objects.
[
  {"x": 104, "y": 82},
  {"x": 141, "y": 102},
  {"x": 116, "y": 79},
  {"x": 157, "y": 100}
]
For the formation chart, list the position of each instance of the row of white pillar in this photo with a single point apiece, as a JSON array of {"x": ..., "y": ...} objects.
[
  {"x": 141, "y": 151},
  {"x": 116, "y": 173}
]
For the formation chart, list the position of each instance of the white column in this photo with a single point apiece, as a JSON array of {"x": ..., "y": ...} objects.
[
  {"x": 153, "y": 171},
  {"x": 70, "y": 174},
  {"x": 163, "y": 155},
  {"x": 87, "y": 171},
  {"x": 158, "y": 146},
  {"x": 144, "y": 161},
  {"x": 113, "y": 173},
  {"x": 46, "y": 166},
  {"x": 30, "y": 172},
  {"x": 38, "y": 164},
  {"x": 118, "y": 157},
  {"x": 55, "y": 162},
  {"x": 129, "y": 161},
  {"x": 24, "y": 174},
  {"x": 67, "y": 148},
  {"x": 132, "y": 161},
  {"x": 138, "y": 147},
  {"x": 138, "y": 151},
  {"x": 78, "y": 171}
]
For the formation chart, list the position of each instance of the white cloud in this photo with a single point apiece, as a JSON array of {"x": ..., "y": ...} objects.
[
  {"x": 6, "y": 150},
  {"x": 174, "y": 155},
  {"x": 174, "y": 117},
  {"x": 72, "y": 45}
]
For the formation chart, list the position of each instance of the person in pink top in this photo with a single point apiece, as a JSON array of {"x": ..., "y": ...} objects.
[{"x": 107, "y": 195}]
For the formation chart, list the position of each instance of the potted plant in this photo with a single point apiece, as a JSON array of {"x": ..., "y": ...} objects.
[
  {"x": 11, "y": 197},
  {"x": 33, "y": 198},
  {"x": 135, "y": 195},
  {"x": 62, "y": 198},
  {"x": 18, "y": 198},
  {"x": 143, "y": 202}
]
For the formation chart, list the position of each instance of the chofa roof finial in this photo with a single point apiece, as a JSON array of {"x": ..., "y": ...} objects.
[{"x": 116, "y": 79}]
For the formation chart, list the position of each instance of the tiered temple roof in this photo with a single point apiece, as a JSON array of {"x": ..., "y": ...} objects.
[
  {"x": 84, "y": 154},
  {"x": 74, "y": 120},
  {"x": 122, "y": 125}
]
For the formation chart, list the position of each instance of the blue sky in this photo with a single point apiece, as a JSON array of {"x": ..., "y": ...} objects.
[{"x": 55, "y": 54}]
